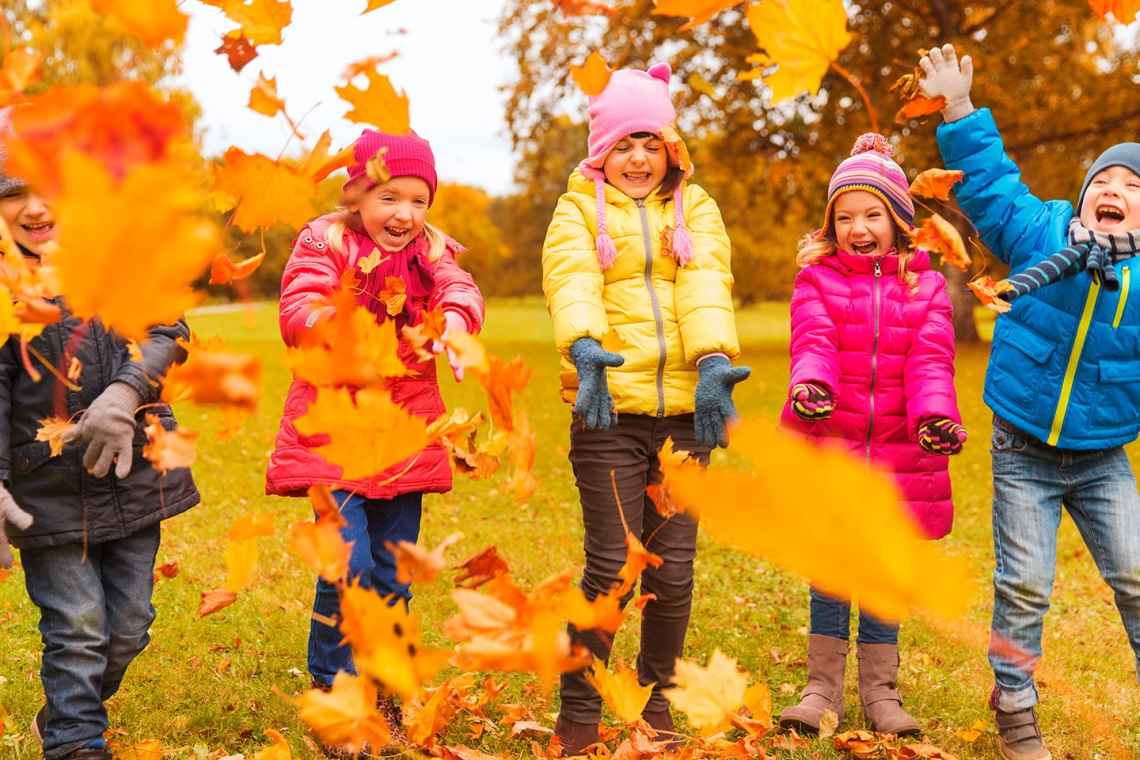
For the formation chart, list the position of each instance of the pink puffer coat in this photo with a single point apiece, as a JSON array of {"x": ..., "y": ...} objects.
[
  {"x": 887, "y": 356},
  {"x": 314, "y": 270}
]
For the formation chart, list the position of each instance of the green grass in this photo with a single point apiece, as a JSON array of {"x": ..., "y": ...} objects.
[{"x": 213, "y": 684}]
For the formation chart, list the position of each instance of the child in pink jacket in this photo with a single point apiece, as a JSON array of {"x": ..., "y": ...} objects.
[{"x": 873, "y": 369}]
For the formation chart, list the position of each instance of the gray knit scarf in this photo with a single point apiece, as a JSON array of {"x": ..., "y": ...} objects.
[{"x": 1094, "y": 252}]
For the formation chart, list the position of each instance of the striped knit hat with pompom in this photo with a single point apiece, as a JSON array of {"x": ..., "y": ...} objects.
[
  {"x": 872, "y": 168},
  {"x": 633, "y": 101}
]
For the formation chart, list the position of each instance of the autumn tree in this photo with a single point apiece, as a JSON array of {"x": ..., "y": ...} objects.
[{"x": 1062, "y": 84}]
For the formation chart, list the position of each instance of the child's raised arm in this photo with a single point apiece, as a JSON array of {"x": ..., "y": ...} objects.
[{"x": 1013, "y": 223}]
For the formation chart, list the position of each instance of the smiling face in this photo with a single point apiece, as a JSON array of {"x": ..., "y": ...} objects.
[
  {"x": 637, "y": 164},
  {"x": 862, "y": 224},
  {"x": 1112, "y": 201},
  {"x": 395, "y": 212},
  {"x": 29, "y": 219}
]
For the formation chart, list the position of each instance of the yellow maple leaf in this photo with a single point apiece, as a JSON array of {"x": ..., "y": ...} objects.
[
  {"x": 709, "y": 695},
  {"x": 345, "y": 716},
  {"x": 151, "y": 21},
  {"x": 241, "y": 559},
  {"x": 940, "y": 236},
  {"x": 415, "y": 564},
  {"x": 620, "y": 691},
  {"x": 803, "y": 37},
  {"x": 212, "y": 376},
  {"x": 375, "y": 5},
  {"x": 261, "y": 20},
  {"x": 874, "y": 552},
  {"x": 51, "y": 429},
  {"x": 593, "y": 75},
  {"x": 251, "y": 525},
  {"x": 267, "y": 192},
  {"x": 263, "y": 97},
  {"x": 697, "y": 11},
  {"x": 278, "y": 750},
  {"x": 368, "y": 435},
  {"x": 367, "y": 263},
  {"x": 379, "y": 104},
  {"x": 394, "y": 295},
  {"x": 130, "y": 275},
  {"x": 321, "y": 546},
  {"x": 169, "y": 449}
]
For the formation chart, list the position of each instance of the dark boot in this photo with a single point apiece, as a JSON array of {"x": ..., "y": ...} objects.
[
  {"x": 882, "y": 705},
  {"x": 827, "y": 660},
  {"x": 39, "y": 724},
  {"x": 89, "y": 753},
  {"x": 575, "y": 737},
  {"x": 1019, "y": 736},
  {"x": 661, "y": 721}
]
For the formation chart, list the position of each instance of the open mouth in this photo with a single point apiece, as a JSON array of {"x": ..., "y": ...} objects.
[
  {"x": 865, "y": 248},
  {"x": 1106, "y": 214},
  {"x": 636, "y": 178},
  {"x": 396, "y": 232},
  {"x": 39, "y": 230}
]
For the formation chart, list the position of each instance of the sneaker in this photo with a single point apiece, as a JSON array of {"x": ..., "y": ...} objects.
[
  {"x": 89, "y": 753},
  {"x": 1019, "y": 736}
]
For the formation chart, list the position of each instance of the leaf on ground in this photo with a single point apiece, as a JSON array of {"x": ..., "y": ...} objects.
[
  {"x": 593, "y": 75},
  {"x": 346, "y": 715},
  {"x": 379, "y": 104},
  {"x": 697, "y": 11},
  {"x": 166, "y": 449},
  {"x": 828, "y": 722},
  {"x": 803, "y": 38},
  {"x": 939, "y": 236},
  {"x": 52, "y": 429},
  {"x": 215, "y": 600},
  {"x": 168, "y": 570},
  {"x": 935, "y": 183},
  {"x": 278, "y": 750},
  {"x": 620, "y": 690},
  {"x": 708, "y": 695},
  {"x": 860, "y": 744}
]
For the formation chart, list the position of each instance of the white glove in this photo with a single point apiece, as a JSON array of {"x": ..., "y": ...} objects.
[
  {"x": 455, "y": 323},
  {"x": 10, "y": 512},
  {"x": 108, "y": 430},
  {"x": 944, "y": 75}
]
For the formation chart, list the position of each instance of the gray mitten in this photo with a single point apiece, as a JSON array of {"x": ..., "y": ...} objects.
[
  {"x": 108, "y": 429},
  {"x": 10, "y": 512}
]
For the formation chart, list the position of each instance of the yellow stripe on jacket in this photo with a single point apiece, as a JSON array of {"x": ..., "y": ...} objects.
[{"x": 693, "y": 314}]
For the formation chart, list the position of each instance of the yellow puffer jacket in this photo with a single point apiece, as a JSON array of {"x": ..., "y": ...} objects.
[{"x": 668, "y": 317}]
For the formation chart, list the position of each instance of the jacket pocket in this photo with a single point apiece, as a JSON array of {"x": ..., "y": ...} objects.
[
  {"x": 30, "y": 456},
  {"x": 1118, "y": 403},
  {"x": 1032, "y": 345},
  {"x": 1018, "y": 381}
]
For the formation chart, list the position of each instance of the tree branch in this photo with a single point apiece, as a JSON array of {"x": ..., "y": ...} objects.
[{"x": 1056, "y": 137}]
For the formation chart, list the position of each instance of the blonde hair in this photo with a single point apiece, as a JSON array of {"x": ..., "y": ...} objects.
[
  {"x": 345, "y": 220},
  {"x": 815, "y": 246}
]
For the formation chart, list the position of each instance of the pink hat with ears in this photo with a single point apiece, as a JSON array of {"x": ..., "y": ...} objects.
[{"x": 633, "y": 101}]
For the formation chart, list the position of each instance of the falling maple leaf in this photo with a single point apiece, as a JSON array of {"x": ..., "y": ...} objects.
[
  {"x": 345, "y": 715},
  {"x": 378, "y": 105},
  {"x": 802, "y": 37},
  {"x": 935, "y": 183},
  {"x": 620, "y": 690},
  {"x": 252, "y": 525},
  {"x": 637, "y": 558},
  {"x": 152, "y": 22},
  {"x": 468, "y": 350},
  {"x": 215, "y": 600},
  {"x": 241, "y": 559},
  {"x": 709, "y": 695},
  {"x": 375, "y": 167},
  {"x": 321, "y": 546},
  {"x": 52, "y": 430},
  {"x": 263, "y": 96},
  {"x": 481, "y": 568},
  {"x": 394, "y": 295},
  {"x": 278, "y": 750},
  {"x": 19, "y": 71},
  {"x": 223, "y": 271},
  {"x": 697, "y": 11},
  {"x": 268, "y": 192},
  {"x": 375, "y": 5},
  {"x": 237, "y": 48},
  {"x": 167, "y": 247},
  {"x": 939, "y": 236},
  {"x": 169, "y": 449},
  {"x": 593, "y": 75},
  {"x": 989, "y": 292},
  {"x": 356, "y": 68},
  {"x": 698, "y": 83},
  {"x": 261, "y": 20},
  {"x": 522, "y": 443},
  {"x": 503, "y": 381},
  {"x": 429, "y": 330},
  {"x": 212, "y": 376},
  {"x": 415, "y": 564}
]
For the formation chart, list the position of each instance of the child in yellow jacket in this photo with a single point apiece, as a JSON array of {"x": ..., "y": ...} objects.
[{"x": 635, "y": 248}]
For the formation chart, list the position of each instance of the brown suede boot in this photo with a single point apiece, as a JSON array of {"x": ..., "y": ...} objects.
[
  {"x": 575, "y": 737},
  {"x": 878, "y": 673},
  {"x": 1019, "y": 736},
  {"x": 827, "y": 660}
]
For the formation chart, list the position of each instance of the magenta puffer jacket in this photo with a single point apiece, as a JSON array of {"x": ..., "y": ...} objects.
[
  {"x": 887, "y": 356},
  {"x": 314, "y": 270}
]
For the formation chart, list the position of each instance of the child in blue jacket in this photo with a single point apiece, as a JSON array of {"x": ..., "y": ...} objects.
[{"x": 1063, "y": 382}]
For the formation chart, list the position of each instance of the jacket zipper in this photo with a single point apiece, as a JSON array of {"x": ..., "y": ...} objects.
[
  {"x": 1125, "y": 281},
  {"x": 648, "y": 245},
  {"x": 1074, "y": 360},
  {"x": 875, "y": 301}
]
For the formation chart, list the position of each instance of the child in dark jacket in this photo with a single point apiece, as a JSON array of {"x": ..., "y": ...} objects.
[
  {"x": 87, "y": 537},
  {"x": 1062, "y": 383}
]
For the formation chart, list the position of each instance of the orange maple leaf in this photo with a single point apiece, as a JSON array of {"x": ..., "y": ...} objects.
[
  {"x": 919, "y": 106},
  {"x": 168, "y": 569},
  {"x": 365, "y": 434},
  {"x": 584, "y": 8},
  {"x": 251, "y": 525},
  {"x": 430, "y": 329},
  {"x": 215, "y": 600},
  {"x": 263, "y": 97},
  {"x": 939, "y": 236},
  {"x": 52, "y": 430},
  {"x": 394, "y": 295},
  {"x": 365, "y": 64},
  {"x": 697, "y": 11},
  {"x": 427, "y": 718},
  {"x": 237, "y": 49},
  {"x": 152, "y": 22},
  {"x": 935, "y": 183},
  {"x": 18, "y": 72},
  {"x": 481, "y": 568},
  {"x": 345, "y": 715},
  {"x": 637, "y": 558},
  {"x": 415, "y": 564},
  {"x": 321, "y": 546},
  {"x": 169, "y": 449},
  {"x": 989, "y": 292},
  {"x": 223, "y": 271},
  {"x": 261, "y": 20},
  {"x": 212, "y": 376},
  {"x": 503, "y": 381},
  {"x": 593, "y": 75},
  {"x": 379, "y": 104},
  {"x": 522, "y": 446},
  {"x": 267, "y": 192},
  {"x": 1124, "y": 11}
]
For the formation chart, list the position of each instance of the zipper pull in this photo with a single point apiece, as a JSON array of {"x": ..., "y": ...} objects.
[
  {"x": 878, "y": 269},
  {"x": 640, "y": 202}
]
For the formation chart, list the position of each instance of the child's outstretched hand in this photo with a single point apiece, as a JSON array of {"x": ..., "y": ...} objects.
[
  {"x": 455, "y": 323},
  {"x": 713, "y": 405},
  {"x": 946, "y": 76},
  {"x": 812, "y": 402},
  {"x": 941, "y": 436},
  {"x": 594, "y": 404},
  {"x": 10, "y": 512}
]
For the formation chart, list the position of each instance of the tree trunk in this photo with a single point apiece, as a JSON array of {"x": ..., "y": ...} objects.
[{"x": 964, "y": 328}]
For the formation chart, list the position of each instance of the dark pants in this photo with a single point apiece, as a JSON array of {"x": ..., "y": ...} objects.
[
  {"x": 95, "y": 616},
  {"x": 832, "y": 617},
  {"x": 629, "y": 451},
  {"x": 371, "y": 522}
]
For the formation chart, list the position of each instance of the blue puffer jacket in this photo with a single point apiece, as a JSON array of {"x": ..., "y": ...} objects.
[{"x": 1065, "y": 364}]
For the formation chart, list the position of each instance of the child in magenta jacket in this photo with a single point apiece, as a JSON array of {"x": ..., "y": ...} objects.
[{"x": 872, "y": 368}]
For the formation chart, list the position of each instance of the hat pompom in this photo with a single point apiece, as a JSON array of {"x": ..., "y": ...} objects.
[
  {"x": 607, "y": 251},
  {"x": 873, "y": 142},
  {"x": 682, "y": 246}
]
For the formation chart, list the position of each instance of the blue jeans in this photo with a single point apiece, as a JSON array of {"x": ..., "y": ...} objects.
[
  {"x": 371, "y": 522},
  {"x": 1031, "y": 482},
  {"x": 832, "y": 617},
  {"x": 95, "y": 616}
]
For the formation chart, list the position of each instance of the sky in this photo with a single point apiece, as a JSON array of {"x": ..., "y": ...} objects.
[{"x": 450, "y": 64}]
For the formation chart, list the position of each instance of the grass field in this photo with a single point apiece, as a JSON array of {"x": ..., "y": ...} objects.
[{"x": 213, "y": 684}]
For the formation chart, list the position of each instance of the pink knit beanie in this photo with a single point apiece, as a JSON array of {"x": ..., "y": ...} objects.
[
  {"x": 408, "y": 156},
  {"x": 634, "y": 101},
  {"x": 872, "y": 168}
]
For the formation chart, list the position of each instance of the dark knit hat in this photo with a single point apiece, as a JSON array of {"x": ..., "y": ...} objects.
[{"x": 1126, "y": 154}]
